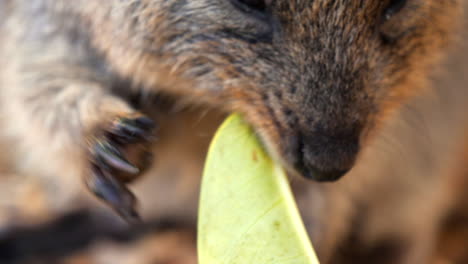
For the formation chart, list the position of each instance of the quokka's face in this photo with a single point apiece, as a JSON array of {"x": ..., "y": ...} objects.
[{"x": 312, "y": 76}]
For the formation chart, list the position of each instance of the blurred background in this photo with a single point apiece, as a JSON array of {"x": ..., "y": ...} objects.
[{"x": 408, "y": 196}]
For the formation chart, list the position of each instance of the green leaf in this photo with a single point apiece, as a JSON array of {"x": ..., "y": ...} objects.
[{"x": 247, "y": 211}]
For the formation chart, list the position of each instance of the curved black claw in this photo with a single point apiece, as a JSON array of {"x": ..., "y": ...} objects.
[
  {"x": 113, "y": 193},
  {"x": 131, "y": 130},
  {"x": 110, "y": 157},
  {"x": 109, "y": 162}
]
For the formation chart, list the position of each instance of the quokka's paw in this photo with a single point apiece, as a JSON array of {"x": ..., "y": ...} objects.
[{"x": 118, "y": 154}]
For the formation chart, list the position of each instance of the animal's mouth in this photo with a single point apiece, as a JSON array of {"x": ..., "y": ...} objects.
[
  {"x": 294, "y": 160},
  {"x": 314, "y": 153}
]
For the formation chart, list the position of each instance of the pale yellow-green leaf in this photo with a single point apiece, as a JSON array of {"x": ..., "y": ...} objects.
[{"x": 247, "y": 212}]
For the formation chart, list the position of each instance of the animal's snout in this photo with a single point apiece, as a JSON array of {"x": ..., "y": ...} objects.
[{"x": 326, "y": 157}]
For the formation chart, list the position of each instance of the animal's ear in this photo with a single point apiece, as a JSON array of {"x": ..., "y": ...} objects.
[{"x": 400, "y": 17}]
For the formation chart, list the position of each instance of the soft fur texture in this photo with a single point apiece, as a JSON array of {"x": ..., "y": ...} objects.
[{"x": 316, "y": 79}]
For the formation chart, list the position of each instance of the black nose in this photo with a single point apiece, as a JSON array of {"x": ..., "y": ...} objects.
[
  {"x": 322, "y": 157},
  {"x": 321, "y": 175}
]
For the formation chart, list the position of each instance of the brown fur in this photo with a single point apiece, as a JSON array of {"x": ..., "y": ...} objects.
[{"x": 316, "y": 79}]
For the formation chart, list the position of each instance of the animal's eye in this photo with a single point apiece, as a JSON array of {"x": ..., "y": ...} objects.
[
  {"x": 398, "y": 20},
  {"x": 249, "y": 5},
  {"x": 393, "y": 8}
]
